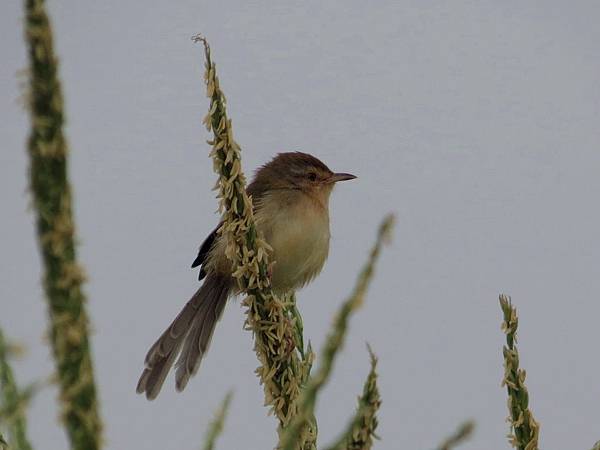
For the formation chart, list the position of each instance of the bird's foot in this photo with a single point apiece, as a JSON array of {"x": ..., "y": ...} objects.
[
  {"x": 290, "y": 345},
  {"x": 288, "y": 338}
]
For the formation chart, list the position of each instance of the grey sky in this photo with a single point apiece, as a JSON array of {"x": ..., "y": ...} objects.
[{"x": 476, "y": 122}]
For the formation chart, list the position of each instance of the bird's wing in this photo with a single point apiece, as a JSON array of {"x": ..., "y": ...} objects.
[
  {"x": 255, "y": 190},
  {"x": 204, "y": 250}
]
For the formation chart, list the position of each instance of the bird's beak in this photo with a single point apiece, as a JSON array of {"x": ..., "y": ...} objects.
[{"x": 341, "y": 177}]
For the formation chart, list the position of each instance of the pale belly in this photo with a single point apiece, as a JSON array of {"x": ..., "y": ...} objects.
[{"x": 300, "y": 242}]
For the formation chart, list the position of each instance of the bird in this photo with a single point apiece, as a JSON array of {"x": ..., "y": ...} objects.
[{"x": 290, "y": 196}]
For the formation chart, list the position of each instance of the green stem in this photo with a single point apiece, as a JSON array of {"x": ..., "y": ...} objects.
[
  {"x": 52, "y": 201},
  {"x": 360, "y": 432},
  {"x": 216, "y": 427},
  {"x": 335, "y": 340},
  {"x": 281, "y": 369},
  {"x": 463, "y": 433},
  {"x": 525, "y": 428},
  {"x": 12, "y": 402}
]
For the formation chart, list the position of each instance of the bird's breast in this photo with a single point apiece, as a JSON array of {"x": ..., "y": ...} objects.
[{"x": 298, "y": 231}]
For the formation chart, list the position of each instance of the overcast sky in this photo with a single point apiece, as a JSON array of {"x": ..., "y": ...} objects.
[{"x": 476, "y": 122}]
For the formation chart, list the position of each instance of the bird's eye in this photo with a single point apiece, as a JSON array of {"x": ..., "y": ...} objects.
[{"x": 312, "y": 176}]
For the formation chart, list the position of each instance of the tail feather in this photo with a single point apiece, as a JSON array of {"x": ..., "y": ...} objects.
[
  {"x": 192, "y": 329},
  {"x": 200, "y": 335},
  {"x": 153, "y": 377}
]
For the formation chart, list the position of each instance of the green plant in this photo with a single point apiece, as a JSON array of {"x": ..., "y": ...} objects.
[
  {"x": 463, "y": 433},
  {"x": 52, "y": 202},
  {"x": 13, "y": 403},
  {"x": 525, "y": 430},
  {"x": 217, "y": 425}
]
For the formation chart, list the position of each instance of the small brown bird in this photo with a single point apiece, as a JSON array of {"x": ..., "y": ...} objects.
[{"x": 290, "y": 195}]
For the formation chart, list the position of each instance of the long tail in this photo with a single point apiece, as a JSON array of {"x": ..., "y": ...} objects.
[{"x": 192, "y": 329}]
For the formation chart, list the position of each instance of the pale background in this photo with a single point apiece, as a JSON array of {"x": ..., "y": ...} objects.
[{"x": 477, "y": 123}]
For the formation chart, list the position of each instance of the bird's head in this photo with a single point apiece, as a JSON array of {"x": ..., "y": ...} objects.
[{"x": 298, "y": 171}]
